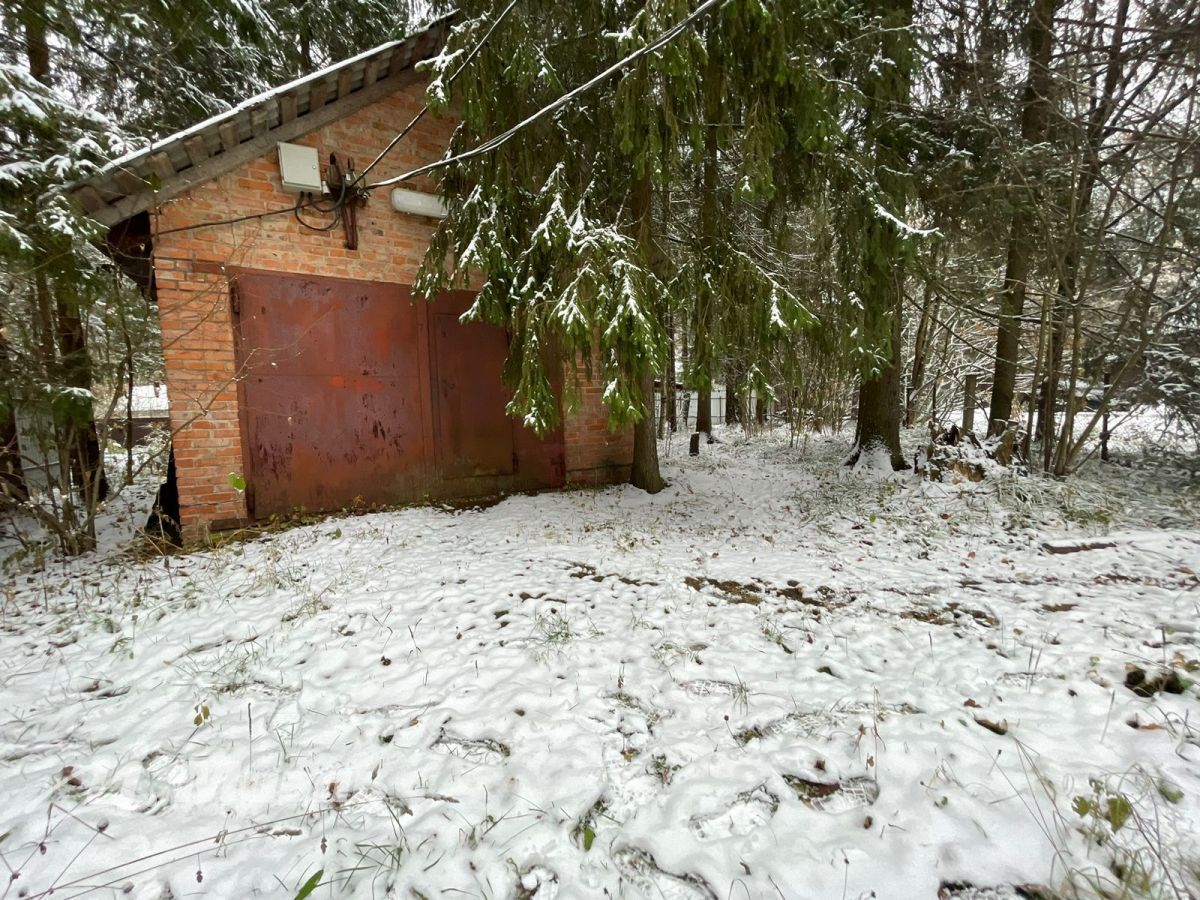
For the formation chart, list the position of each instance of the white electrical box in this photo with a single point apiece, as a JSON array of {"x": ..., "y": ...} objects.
[{"x": 300, "y": 169}]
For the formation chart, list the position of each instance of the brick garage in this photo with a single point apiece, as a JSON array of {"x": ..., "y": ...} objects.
[{"x": 271, "y": 330}]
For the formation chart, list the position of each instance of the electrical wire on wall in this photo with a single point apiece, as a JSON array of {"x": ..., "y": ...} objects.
[
  {"x": 307, "y": 201},
  {"x": 295, "y": 209},
  {"x": 334, "y": 208}
]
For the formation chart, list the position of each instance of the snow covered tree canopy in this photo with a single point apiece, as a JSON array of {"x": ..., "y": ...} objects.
[
  {"x": 547, "y": 217},
  {"x": 45, "y": 141},
  {"x": 158, "y": 66}
]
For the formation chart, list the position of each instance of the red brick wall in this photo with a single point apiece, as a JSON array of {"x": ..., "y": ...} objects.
[
  {"x": 595, "y": 453},
  {"x": 194, "y": 306}
]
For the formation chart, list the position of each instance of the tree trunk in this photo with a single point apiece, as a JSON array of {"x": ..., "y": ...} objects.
[
  {"x": 37, "y": 48},
  {"x": 704, "y": 410},
  {"x": 1047, "y": 396},
  {"x": 969, "y": 391},
  {"x": 685, "y": 360},
  {"x": 883, "y": 255},
  {"x": 666, "y": 415},
  {"x": 733, "y": 396},
  {"x": 1039, "y": 374},
  {"x": 77, "y": 438},
  {"x": 1063, "y": 451},
  {"x": 669, "y": 403},
  {"x": 702, "y": 352},
  {"x": 1104, "y": 430},
  {"x": 12, "y": 472},
  {"x": 879, "y": 409},
  {"x": 645, "y": 473},
  {"x": 929, "y": 307},
  {"x": 305, "y": 42},
  {"x": 1035, "y": 117},
  {"x": 1098, "y": 130},
  {"x": 80, "y": 429},
  {"x": 132, "y": 379}
]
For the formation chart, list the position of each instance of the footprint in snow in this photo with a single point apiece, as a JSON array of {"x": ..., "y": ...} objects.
[
  {"x": 167, "y": 769},
  {"x": 651, "y": 713},
  {"x": 813, "y": 724},
  {"x": 1023, "y": 678},
  {"x": 837, "y": 796},
  {"x": 807, "y": 724},
  {"x": 348, "y": 626},
  {"x": 476, "y": 750},
  {"x": 640, "y": 871},
  {"x": 749, "y": 810},
  {"x": 707, "y": 687},
  {"x": 964, "y": 890}
]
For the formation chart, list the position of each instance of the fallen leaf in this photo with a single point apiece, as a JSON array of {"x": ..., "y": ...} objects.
[{"x": 994, "y": 727}]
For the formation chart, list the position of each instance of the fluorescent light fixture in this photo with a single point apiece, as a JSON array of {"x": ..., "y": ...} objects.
[{"x": 418, "y": 203}]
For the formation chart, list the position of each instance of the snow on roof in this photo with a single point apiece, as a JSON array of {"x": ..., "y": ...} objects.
[{"x": 138, "y": 180}]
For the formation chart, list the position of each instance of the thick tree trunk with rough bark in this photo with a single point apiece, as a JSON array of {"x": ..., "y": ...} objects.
[
  {"x": 883, "y": 253},
  {"x": 733, "y": 396},
  {"x": 704, "y": 410},
  {"x": 1008, "y": 329},
  {"x": 879, "y": 409},
  {"x": 645, "y": 472}
]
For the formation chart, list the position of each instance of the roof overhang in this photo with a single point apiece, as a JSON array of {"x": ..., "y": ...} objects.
[{"x": 141, "y": 180}]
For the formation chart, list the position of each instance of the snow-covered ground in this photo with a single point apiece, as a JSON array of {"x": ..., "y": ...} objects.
[{"x": 774, "y": 679}]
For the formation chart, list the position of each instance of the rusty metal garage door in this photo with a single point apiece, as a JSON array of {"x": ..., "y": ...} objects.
[
  {"x": 473, "y": 433},
  {"x": 350, "y": 393},
  {"x": 332, "y": 392}
]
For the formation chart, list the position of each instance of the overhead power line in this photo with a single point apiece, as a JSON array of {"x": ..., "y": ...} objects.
[
  {"x": 492, "y": 143},
  {"x": 424, "y": 109}
]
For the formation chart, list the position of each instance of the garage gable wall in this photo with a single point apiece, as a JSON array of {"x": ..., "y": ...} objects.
[{"x": 193, "y": 270}]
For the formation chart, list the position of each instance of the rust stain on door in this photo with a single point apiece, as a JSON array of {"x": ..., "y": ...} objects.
[
  {"x": 353, "y": 393},
  {"x": 332, "y": 388}
]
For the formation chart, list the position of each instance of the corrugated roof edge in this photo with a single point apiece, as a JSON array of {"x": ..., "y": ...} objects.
[{"x": 105, "y": 194}]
